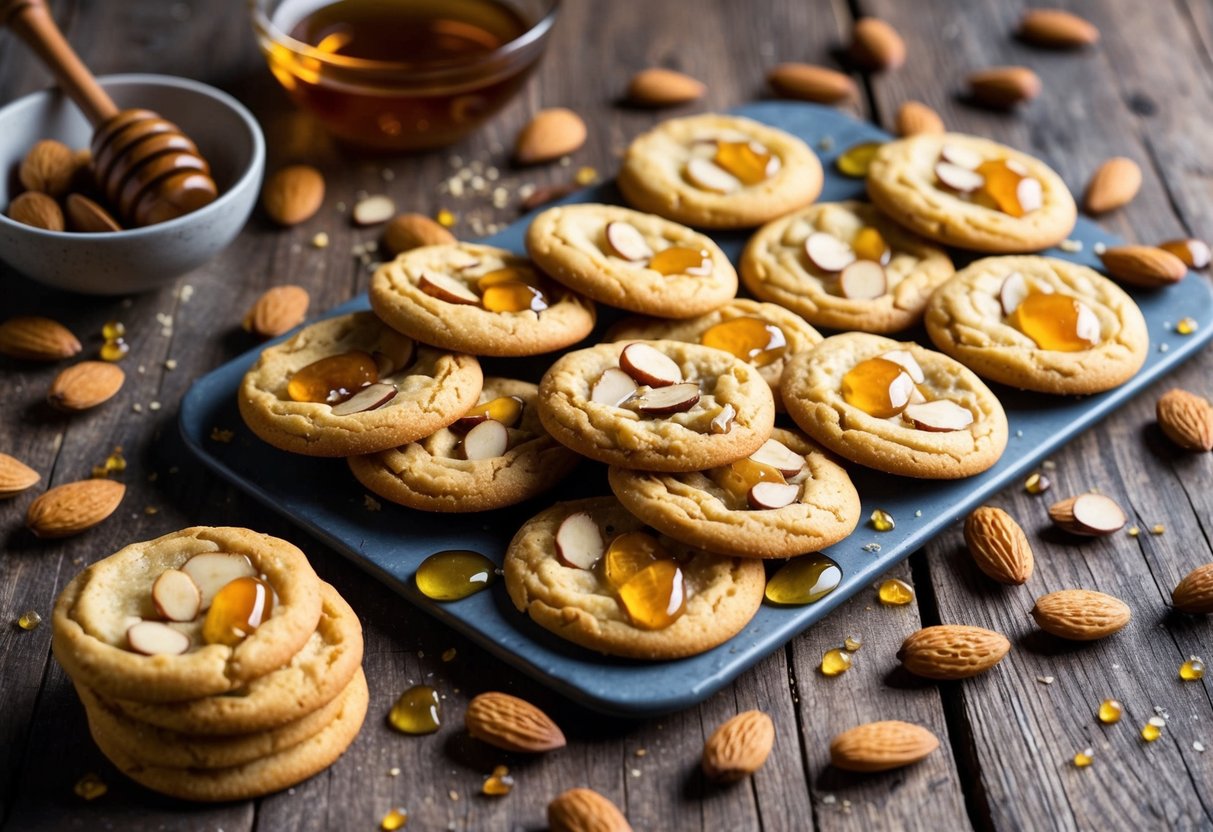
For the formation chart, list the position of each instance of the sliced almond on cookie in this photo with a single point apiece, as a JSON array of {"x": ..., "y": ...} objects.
[
  {"x": 371, "y": 397},
  {"x": 649, "y": 365},
  {"x": 960, "y": 156},
  {"x": 827, "y": 252},
  {"x": 706, "y": 174},
  {"x": 212, "y": 571},
  {"x": 1012, "y": 292},
  {"x": 863, "y": 280},
  {"x": 722, "y": 422},
  {"x": 626, "y": 241},
  {"x": 939, "y": 416},
  {"x": 487, "y": 440},
  {"x": 613, "y": 387},
  {"x": 579, "y": 542},
  {"x": 663, "y": 401},
  {"x": 957, "y": 178},
  {"x": 447, "y": 288},
  {"x": 907, "y": 362},
  {"x": 151, "y": 638},
  {"x": 769, "y": 495},
  {"x": 780, "y": 457},
  {"x": 175, "y": 596}
]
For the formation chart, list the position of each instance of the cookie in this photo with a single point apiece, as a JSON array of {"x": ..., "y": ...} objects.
[
  {"x": 94, "y": 618},
  {"x": 401, "y": 390},
  {"x": 700, "y": 599},
  {"x": 634, "y": 261},
  {"x": 1039, "y": 323},
  {"x": 860, "y": 271},
  {"x": 811, "y": 505},
  {"x": 718, "y": 171},
  {"x": 434, "y": 474},
  {"x": 656, "y": 405},
  {"x": 895, "y": 407},
  {"x": 478, "y": 299},
  {"x": 949, "y": 188}
]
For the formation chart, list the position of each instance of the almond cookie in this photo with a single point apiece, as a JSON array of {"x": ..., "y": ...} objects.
[
  {"x": 895, "y": 407},
  {"x": 141, "y": 624},
  {"x": 593, "y": 574},
  {"x": 497, "y": 455},
  {"x": 656, "y": 405},
  {"x": 1039, "y": 323},
  {"x": 970, "y": 192},
  {"x": 478, "y": 299},
  {"x": 844, "y": 265},
  {"x": 718, "y": 171},
  {"x": 376, "y": 389},
  {"x": 785, "y": 499},
  {"x": 639, "y": 262}
]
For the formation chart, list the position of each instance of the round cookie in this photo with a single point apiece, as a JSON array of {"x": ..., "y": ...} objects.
[
  {"x": 433, "y": 389},
  {"x": 776, "y": 267},
  {"x": 902, "y": 181},
  {"x": 722, "y": 593},
  {"x": 966, "y": 319},
  {"x": 431, "y": 294},
  {"x": 656, "y": 175},
  {"x": 431, "y": 474},
  {"x": 95, "y": 610},
  {"x": 571, "y": 243},
  {"x": 695, "y": 509},
  {"x": 812, "y": 393},
  {"x": 623, "y": 434}
]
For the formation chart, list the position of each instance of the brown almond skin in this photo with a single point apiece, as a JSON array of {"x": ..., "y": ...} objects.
[
  {"x": 1194, "y": 594},
  {"x": 1080, "y": 614},
  {"x": 280, "y": 309},
  {"x": 951, "y": 651},
  {"x": 1056, "y": 29},
  {"x": 881, "y": 746},
  {"x": 812, "y": 83},
  {"x": 739, "y": 747},
  {"x": 15, "y": 476},
  {"x": 1186, "y": 419},
  {"x": 999, "y": 546},
  {"x": 48, "y": 168},
  {"x": 512, "y": 724},
  {"x": 1113, "y": 185},
  {"x": 87, "y": 217},
  {"x": 914, "y": 117},
  {"x": 585, "y": 810},
  {"x": 70, "y": 509},
  {"x": 1062, "y": 515},
  {"x": 293, "y": 194},
  {"x": 85, "y": 385},
  {"x": 37, "y": 339},
  {"x": 660, "y": 87},
  {"x": 1144, "y": 266},
  {"x": 1195, "y": 253},
  {"x": 37, "y": 210},
  {"x": 549, "y": 135},
  {"x": 409, "y": 231},
  {"x": 876, "y": 45},
  {"x": 1004, "y": 87}
]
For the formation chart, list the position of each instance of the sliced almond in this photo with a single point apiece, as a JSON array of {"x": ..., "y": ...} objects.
[
  {"x": 1087, "y": 326},
  {"x": 1098, "y": 513},
  {"x": 863, "y": 280},
  {"x": 961, "y": 156},
  {"x": 87, "y": 217},
  {"x": 769, "y": 495},
  {"x": 371, "y": 397},
  {"x": 780, "y": 457},
  {"x": 916, "y": 396},
  {"x": 613, "y": 387},
  {"x": 906, "y": 360},
  {"x": 447, "y": 288},
  {"x": 483, "y": 412},
  {"x": 957, "y": 178},
  {"x": 579, "y": 542},
  {"x": 722, "y": 422},
  {"x": 626, "y": 241},
  {"x": 1194, "y": 253},
  {"x": 212, "y": 571},
  {"x": 662, "y": 401},
  {"x": 175, "y": 596},
  {"x": 410, "y": 231},
  {"x": 939, "y": 416},
  {"x": 649, "y": 365},
  {"x": 1012, "y": 292},
  {"x": 487, "y": 440},
  {"x": 1030, "y": 194},
  {"x": 152, "y": 638},
  {"x": 827, "y": 252},
  {"x": 373, "y": 210},
  {"x": 901, "y": 390},
  {"x": 706, "y": 174}
]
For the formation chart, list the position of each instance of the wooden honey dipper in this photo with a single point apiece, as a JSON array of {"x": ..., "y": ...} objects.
[{"x": 148, "y": 170}]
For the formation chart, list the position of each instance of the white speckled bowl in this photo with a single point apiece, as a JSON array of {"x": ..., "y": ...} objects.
[{"x": 141, "y": 258}]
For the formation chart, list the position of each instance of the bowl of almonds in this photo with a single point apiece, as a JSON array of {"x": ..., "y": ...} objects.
[{"x": 56, "y": 225}]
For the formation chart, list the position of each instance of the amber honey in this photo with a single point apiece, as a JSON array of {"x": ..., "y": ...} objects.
[
  {"x": 869, "y": 386},
  {"x": 682, "y": 260},
  {"x": 1057, "y": 322},
  {"x": 737, "y": 478},
  {"x": 750, "y": 339},
  {"x": 748, "y": 162},
  {"x": 237, "y": 610}
]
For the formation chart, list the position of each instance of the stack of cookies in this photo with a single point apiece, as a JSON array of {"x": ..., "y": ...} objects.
[{"x": 213, "y": 663}]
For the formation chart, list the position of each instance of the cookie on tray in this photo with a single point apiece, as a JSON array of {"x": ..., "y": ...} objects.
[
  {"x": 1039, "y": 323},
  {"x": 787, "y": 498},
  {"x": 895, "y": 407},
  {"x": 353, "y": 385},
  {"x": 719, "y": 171},
  {"x": 656, "y": 405},
  {"x": 478, "y": 299},
  {"x": 972, "y": 193},
  {"x": 631, "y": 260},
  {"x": 496, "y": 455},
  {"x": 846, "y": 266},
  {"x": 593, "y": 574}
]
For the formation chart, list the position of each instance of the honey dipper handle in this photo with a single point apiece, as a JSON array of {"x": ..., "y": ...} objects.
[{"x": 32, "y": 22}]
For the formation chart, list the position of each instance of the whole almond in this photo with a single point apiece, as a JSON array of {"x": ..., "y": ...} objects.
[
  {"x": 85, "y": 385},
  {"x": 1144, "y": 266},
  {"x": 37, "y": 339},
  {"x": 914, "y": 117},
  {"x": 87, "y": 217},
  {"x": 15, "y": 476},
  {"x": 877, "y": 45},
  {"x": 278, "y": 310},
  {"x": 48, "y": 168},
  {"x": 1194, "y": 594},
  {"x": 952, "y": 651},
  {"x": 1080, "y": 614},
  {"x": 585, "y": 810},
  {"x": 512, "y": 724},
  {"x": 409, "y": 231},
  {"x": 38, "y": 210},
  {"x": 294, "y": 194},
  {"x": 812, "y": 83},
  {"x": 69, "y": 509},
  {"x": 1113, "y": 185},
  {"x": 739, "y": 747},
  {"x": 999, "y": 546},
  {"x": 549, "y": 135},
  {"x": 1004, "y": 87},
  {"x": 1056, "y": 29},
  {"x": 659, "y": 87},
  {"x": 880, "y": 746},
  {"x": 1186, "y": 419}
]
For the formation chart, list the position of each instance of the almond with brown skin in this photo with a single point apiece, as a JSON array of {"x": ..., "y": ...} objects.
[
  {"x": 409, "y": 231},
  {"x": 511, "y": 724},
  {"x": 87, "y": 217},
  {"x": 880, "y": 746},
  {"x": 48, "y": 168},
  {"x": 1088, "y": 515},
  {"x": 15, "y": 476},
  {"x": 280, "y": 309},
  {"x": 659, "y": 87},
  {"x": 293, "y": 194},
  {"x": 876, "y": 45},
  {"x": 585, "y": 810},
  {"x": 1113, "y": 185},
  {"x": 85, "y": 385},
  {"x": 952, "y": 651},
  {"x": 739, "y": 747},
  {"x": 69, "y": 509},
  {"x": 1186, "y": 419},
  {"x": 36, "y": 209},
  {"x": 1194, "y": 594},
  {"x": 812, "y": 83},
  {"x": 1195, "y": 253},
  {"x": 1004, "y": 87},
  {"x": 998, "y": 545},
  {"x": 1080, "y": 614},
  {"x": 1056, "y": 29},
  {"x": 1143, "y": 266},
  {"x": 37, "y": 339},
  {"x": 549, "y": 135},
  {"x": 914, "y": 117}
]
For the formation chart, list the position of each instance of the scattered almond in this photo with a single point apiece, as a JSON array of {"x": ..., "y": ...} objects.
[
  {"x": 544, "y": 194},
  {"x": 998, "y": 545},
  {"x": 36, "y": 209},
  {"x": 1056, "y": 29},
  {"x": 549, "y": 135},
  {"x": 880, "y": 746},
  {"x": 914, "y": 117},
  {"x": 373, "y": 210},
  {"x": 1186, "y": 419},
  {"x": 951, "y": 651},
  {"x": 1088, "y": 515},
  {"x": 812, "y": 83},
  {"x": 85, "y": 385},
  {"x": 1113, "y": 185},
  {"x": 69, "y": 509},
  {"x": 1195, "y": 253},
  {"x": 1143, "y": 266},
  {"x": 278, "y": 310},
  {"x": 409, "y": 231},
  {"x": 585, "y": 810},
  {"x": 1194, "y": 594},
  {"x": 658, "y": 87},
  {"x": 1080, "y": 614},
  {"x": 512, "y": 724},
  {"x": 877, "y": 45},
  {"x": 15, "y": 476},
  {"x": 739, "y": 747},
  {"x": 48, "y": 168},
  {"x": 293, "y": 194},
  {"x": 1004, "y": 87},
  {"x": 37, "y": 339},
  {"x": 87, "y": 217}
]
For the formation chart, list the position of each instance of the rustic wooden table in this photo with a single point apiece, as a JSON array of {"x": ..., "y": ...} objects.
[{"x": 1008, "y": 736}]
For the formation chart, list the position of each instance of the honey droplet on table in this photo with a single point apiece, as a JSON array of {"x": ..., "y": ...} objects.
[
  {"x": 869, "y": 385},
  {"x": 682, "y": 260},
  {"x": 237, "y": 610},
  {"x": 90, "y": 787},
  {"x": 1152, "y": 730},
  {"x": 895, "y": 592},
  {"x": 1057, "y": 322},
  {"x": 803, "y": 580},
  {"x": 499, "y": 783},
  {"x": 750, "y": 339},
  {"x": 628, "y": 554},
  {"x": 513, "y": 296},
  {"x": 417, "y": 711},
  {"x": 1110, "y": 711},
  {"x": 737, "y": 478},
  {"x": 29, "y": 620},
  {"x": 1186, "y": 326},
  {"x": 454, "y": 574},
  {"x": 113, "y": 330},
  {"x": 334, "y": 379},
  {"x": 445, "y": 218},
  {"x": 856, "y": 159},
  {"x": 870, "y": 245},
  {"x": 882, "y": 521},
  {"x": 395, "y": 819},
  {"x": 1084, "y": 758},
  {"x": 1192, "y": 669},
  {"x": 748, "y": 161},
  {"x": 835, "y": 662},
  {"x": 114, "y": 350},
  {"x": 655, "y": 597},
  {"x": 852, "y": 643}
]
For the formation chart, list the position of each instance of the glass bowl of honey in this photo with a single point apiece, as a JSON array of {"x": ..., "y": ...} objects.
[{"x": 402, "y": 75}]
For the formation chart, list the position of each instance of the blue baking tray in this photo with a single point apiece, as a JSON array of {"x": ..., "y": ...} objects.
[{"x": 323, "y": 497}]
